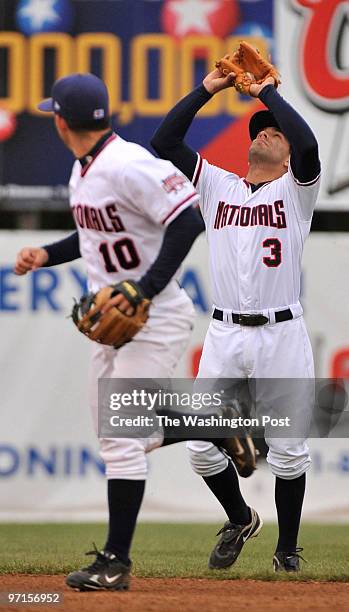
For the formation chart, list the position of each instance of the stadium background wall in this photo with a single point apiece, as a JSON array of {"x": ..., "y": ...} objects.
[{"x": 150, "y": 55}]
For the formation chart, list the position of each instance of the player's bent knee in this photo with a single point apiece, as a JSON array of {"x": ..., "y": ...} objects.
[
  {"x": 288, "y": 461},
  {"x": 124, "y": 458},
  {"x": 205, "y": 458}
]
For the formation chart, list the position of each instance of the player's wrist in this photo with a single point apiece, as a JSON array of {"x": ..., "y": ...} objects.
[
  {"x": 43, "y": 256},
  {"x": 131, "y": 290},
  {"x": 214, "y": 85},
  {"x": 264, "y": 89},
  {"x": 146, "y": 287},
  {"x": 208, "y": 86}
]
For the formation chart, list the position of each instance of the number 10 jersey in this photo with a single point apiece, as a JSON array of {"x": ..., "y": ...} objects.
[{"x": 122, "y": 201}]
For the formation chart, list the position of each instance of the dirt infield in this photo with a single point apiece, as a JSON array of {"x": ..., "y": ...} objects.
[{"x": 187, "y": 595}]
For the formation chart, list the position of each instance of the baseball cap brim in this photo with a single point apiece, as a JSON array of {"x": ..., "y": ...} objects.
[
  {"x": 261, "y": 120},
  {"x": 46, "y": 105}
]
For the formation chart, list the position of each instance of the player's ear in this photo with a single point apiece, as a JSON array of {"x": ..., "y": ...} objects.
[
  {"x": 286, "y": 162},
  {"x": 60, "y": 122}
]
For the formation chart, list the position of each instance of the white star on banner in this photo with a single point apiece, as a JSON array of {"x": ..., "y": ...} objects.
[
  {"x": 193, "y": 14},
  {"x": 40, "y": 11}
]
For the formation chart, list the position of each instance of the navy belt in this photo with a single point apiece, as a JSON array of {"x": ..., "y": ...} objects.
[{"x": 253, "y": 319}]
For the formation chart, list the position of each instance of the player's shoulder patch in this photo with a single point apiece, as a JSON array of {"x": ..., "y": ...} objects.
[{"x": 174, "y": 182}]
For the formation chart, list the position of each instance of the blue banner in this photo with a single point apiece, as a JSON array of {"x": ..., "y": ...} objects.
[{"x": 150, "y": 53}]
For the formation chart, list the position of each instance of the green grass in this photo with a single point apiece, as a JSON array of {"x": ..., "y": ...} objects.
[{"x": 171, "y": 550}]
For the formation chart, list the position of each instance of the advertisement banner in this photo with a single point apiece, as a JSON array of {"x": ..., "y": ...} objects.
[
  {"x": 50, "y": 468},
  {"x": 151, "y": 53},
  {"x": 313, "y": 55}
]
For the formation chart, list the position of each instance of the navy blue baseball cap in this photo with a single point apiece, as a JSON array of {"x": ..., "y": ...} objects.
[
  {"x": 78, "y": 98},
  {"x": 260, "y": 120}
]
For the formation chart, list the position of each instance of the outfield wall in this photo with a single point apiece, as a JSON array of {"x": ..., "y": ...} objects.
[{"x": 49, "y": 464}]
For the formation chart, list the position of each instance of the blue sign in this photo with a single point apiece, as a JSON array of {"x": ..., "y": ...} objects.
[
  {"x": 67, "y": 461},
  {"x": 148, "y": 52},
  {"x": 43, "y": 289}
]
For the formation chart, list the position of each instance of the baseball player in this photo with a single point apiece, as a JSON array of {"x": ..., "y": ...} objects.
[
  {"x": 256, "y": 227},
  {"x": 135, "y": 220}
]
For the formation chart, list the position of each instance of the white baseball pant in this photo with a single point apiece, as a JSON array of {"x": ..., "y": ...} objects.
[
  {"x": 273, "y": 351},
  {"x": 153, "y": 353}
]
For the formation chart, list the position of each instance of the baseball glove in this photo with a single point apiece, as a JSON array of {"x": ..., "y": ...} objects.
[
  {"x": 241, "y": 448},
  {"x": 248, "y": 66},
  {"x": 112, "y": 327},
  {"x": 243, "y": 454}
]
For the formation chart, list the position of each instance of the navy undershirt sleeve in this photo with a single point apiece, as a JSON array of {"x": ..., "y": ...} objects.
[
  {"x": 64, "y": 250},
  {"x": 305, "y": 161},
  {"x": 178, "y": 238},
  {"x": 168, "y": 138}
]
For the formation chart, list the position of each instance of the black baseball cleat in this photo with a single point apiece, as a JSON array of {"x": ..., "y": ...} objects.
[
  {"x": 105, "y": 573},
  {"x": 287, "y": 561},
  {"x": 233, "y": 537}
]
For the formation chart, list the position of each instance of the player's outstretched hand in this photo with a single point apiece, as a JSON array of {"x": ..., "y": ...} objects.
[
  {"x": 29, "y": 259},
  {"x": 215, "y": 82}
]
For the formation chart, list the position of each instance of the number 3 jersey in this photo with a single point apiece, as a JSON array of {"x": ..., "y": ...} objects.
[
  {"x": 255, "y": 238},
  {"x": 122, "y": 202}
]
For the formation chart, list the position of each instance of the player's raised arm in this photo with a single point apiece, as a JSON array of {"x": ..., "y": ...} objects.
[
  {"x": 305, "y": 163},
  {"x": 32, "y": 258},
  {"x": 168, "y": 140}
]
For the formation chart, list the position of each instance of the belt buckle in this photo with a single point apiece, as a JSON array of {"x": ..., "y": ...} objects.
[{"x": 252, "y": 320}]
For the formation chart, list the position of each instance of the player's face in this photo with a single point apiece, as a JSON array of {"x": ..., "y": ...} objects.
[{"x": 270, "y": 146}]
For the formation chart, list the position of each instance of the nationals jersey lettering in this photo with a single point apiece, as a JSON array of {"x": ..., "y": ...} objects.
[
  {"x": 269, "y": 215},
  {"x": 104, "y": 220},
  {"x": 255, "y": 238},
  {"x": 122, "y": 202}
]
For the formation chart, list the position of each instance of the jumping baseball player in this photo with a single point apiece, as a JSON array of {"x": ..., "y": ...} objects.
[
  {"x": 135, "y": 220},
  {"x": 256, "y": 227}
]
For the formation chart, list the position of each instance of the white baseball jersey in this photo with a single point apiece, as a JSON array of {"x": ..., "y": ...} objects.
[
  {"x": 122, "y": 202},
  {"x": 255, "y": 239}
]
